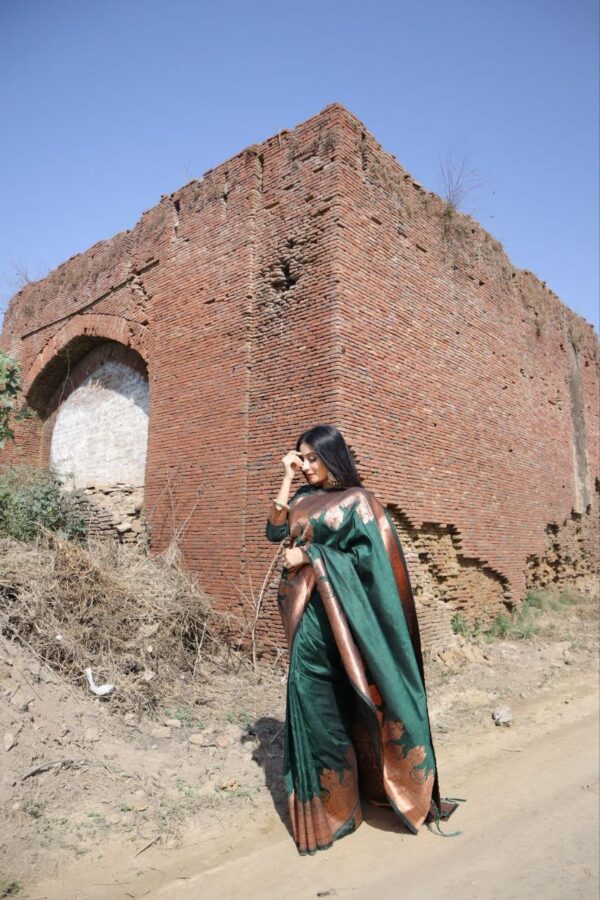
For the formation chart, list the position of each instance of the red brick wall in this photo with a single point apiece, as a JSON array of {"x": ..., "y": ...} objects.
[
  {"x": 307, "y": 280},
  {"x": 457, "y": 394},
  {"x": 294, "y": 382}
]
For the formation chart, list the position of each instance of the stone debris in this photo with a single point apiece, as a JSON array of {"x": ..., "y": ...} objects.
[
  {"x": 463, "y": 651},
  {"x": 21, "y": 700},
  {"x": 556, "y": 654},
  {"x": 229, "y": 735},
  {"x": 230, "y": 785},
  {"x": 161, "y": 731},
  {"x": 502, "y": 715},
  {"x": 114, "y": 512}
]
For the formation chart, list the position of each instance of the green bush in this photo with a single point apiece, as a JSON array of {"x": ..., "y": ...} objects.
[
  {"x": 460, "y": 625},
  {"x": 517, "y": 625},
  {"x": 500, "y": 627},
  {"x": 521, "y": 623},
  {"x": 31, "y": 498},
  {"x": 11, "y": 384},
  {"x": 541, "y": 601}
]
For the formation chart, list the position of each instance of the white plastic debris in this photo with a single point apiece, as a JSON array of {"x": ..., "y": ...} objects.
[
  {"x": 100, "y": 690},
  {"x": 502, "y": 715}
]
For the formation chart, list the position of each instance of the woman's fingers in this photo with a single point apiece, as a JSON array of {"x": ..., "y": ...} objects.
[{"x": 293, "y": 460}]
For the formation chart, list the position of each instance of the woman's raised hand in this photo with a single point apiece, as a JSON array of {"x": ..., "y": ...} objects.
[{"x": 292, "y": 463}]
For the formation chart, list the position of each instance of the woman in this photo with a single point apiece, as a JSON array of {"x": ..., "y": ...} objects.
[{"x": 356, "y": 711}]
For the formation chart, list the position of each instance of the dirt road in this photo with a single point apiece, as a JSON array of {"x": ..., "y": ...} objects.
[{"x": 529, "y": 829}]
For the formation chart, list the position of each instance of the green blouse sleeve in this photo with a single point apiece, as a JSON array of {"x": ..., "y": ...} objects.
[{"x": 277, "y": 533}]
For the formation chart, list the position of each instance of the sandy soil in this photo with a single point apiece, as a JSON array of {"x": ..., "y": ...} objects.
[
  {"x": 149, "y": 810},
  {"x": 529, "y": 829}
]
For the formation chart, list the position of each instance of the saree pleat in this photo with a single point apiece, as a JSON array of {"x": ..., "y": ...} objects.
[
  {"x": 319, "y": 760},
  {"x": 357, "y": 722}
]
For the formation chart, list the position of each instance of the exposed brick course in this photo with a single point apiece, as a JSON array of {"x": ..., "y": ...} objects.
[{"x": 311, "y": 279}]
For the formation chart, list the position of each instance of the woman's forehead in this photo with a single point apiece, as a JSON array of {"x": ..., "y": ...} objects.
[{"x": 306, "y": 448}]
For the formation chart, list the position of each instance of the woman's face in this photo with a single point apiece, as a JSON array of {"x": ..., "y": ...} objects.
[{"x": 313, "y": 467}]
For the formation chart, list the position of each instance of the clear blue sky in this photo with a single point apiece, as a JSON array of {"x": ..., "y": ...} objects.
[{"x": 107, "y": 104}]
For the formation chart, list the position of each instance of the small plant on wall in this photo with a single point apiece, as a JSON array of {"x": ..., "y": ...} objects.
[{"x": 11, "y": 384}]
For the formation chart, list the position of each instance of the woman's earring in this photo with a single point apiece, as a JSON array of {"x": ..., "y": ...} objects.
[{"x": 332, "y": 481}]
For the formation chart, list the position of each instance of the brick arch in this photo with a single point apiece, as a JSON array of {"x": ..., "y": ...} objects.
[{"x": 69, "y": 345}]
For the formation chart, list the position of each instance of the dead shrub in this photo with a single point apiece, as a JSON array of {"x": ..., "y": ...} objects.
[{"x": 138, "y": 622}]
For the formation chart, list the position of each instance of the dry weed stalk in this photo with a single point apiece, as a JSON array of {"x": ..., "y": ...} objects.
[
  {"x": 255, "y": 605},
  {"x": 137, "y": 621},
  {"x": 458, "y": 179}
]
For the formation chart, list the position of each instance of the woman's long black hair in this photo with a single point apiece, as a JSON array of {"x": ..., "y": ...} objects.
[{"x": 329, "y": 444}]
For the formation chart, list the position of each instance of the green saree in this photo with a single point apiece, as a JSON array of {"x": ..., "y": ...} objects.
[{"x": 357, "y": 725}]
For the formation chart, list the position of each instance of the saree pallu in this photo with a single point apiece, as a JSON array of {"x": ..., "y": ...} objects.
[{"x": 357, "y": 724}]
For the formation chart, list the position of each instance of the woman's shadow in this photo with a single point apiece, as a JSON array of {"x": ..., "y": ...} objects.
[{"x": 269, "y": 732}]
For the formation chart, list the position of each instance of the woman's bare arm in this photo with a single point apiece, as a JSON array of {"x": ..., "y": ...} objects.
[{"x": 292, "y": 463}]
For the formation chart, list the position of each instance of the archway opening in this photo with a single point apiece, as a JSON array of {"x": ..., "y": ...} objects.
[{"x": 99, "y": 420}]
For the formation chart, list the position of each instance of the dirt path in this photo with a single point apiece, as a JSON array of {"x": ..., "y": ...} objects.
[{"x": 529, "y": 829}]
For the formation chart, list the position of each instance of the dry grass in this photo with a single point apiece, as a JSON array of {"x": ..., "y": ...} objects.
[{"x": 138, "y": 621}]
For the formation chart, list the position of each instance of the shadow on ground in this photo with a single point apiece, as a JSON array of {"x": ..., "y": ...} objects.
[{"x": 268, "y": 755}]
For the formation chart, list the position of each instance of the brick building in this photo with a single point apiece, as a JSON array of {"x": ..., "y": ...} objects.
[{"x": 311, "y": 279}]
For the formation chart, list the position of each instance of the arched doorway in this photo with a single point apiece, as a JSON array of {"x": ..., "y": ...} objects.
[
  {"x": 93, "y": 397},
  {"x": 100, "y": 429}
]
